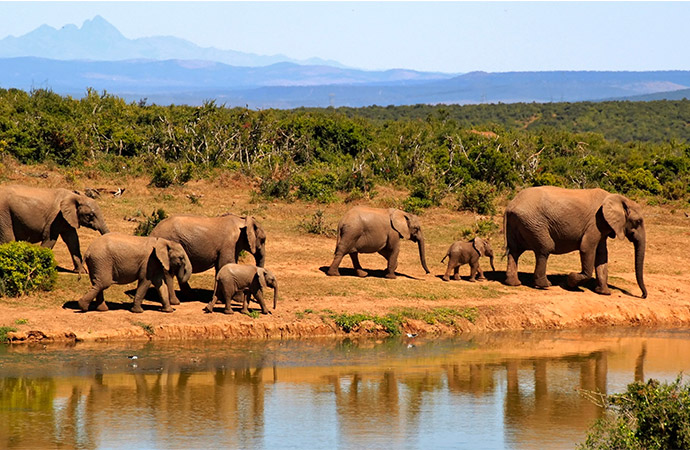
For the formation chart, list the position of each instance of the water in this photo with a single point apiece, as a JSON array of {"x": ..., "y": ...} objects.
[{"x": 516, "y": 390}]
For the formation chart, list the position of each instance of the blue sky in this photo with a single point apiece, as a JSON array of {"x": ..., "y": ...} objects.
[{"x": 452, "y": 37}]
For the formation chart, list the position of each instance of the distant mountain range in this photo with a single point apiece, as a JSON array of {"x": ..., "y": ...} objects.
[{"x": 168, "y": 70}]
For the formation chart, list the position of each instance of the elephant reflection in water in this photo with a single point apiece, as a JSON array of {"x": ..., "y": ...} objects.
[
  {"x": 536, "y": 411},
  {"x": 475, "y": 379}
]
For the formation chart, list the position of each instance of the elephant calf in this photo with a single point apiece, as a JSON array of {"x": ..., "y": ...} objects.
[
  {"x": 469, "y": 252},
  {"x": 245, "y": 280},
  {"x": 116, "y": 258}
]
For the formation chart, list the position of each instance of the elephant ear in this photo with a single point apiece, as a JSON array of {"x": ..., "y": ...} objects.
[
  {"x": 614, "y": 211},
  {"x": 251, "y": 233},
  {"x": 479, "y": 245},
  {"x": 399, "y": 222},
  {"x": 261, "y": 275},
  {"x": 162, "y": 249},
  {"x": 68, "y": 208}
]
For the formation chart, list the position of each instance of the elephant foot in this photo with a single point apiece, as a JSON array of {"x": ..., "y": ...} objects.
[
  {"x": 391, "y": 276},
  {"x": 244, "y": 311},
  {"x": 174, "y": 301},
  {"x": 481, "y": 279},
  {"x": 361, "y": 273},
  {"x": 333, "y": 273},
  {"x": 169, "y": 309},
  {"x": 445, "y": 278},
  {"x": 137, "y": 309},
  {"x": 83, "y": 306},
  {"x": 472, "y": 280},
  {"x": 513, "y": 281},
  {"x": 575, "y": 278},
  {"x": 603, "y": 290},
  {"x": 542, "y": 283},
  {"x": 208, "y": 309},
  {"x": 230, "y": 311},
  {"x": 102, "y": 307}
]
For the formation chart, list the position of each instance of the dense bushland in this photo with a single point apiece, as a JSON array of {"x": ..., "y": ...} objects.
[
  {"x": 25, "y": 268},
  {"x": 465, "y": 155}
]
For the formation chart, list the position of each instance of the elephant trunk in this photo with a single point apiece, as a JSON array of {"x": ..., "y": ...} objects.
[
  {"x": 275, "y": 295},
  {"x": 260, "y": 257},
  {"x": 103, "y": 229},
  {"x": 185, "y": 271},
  {"x": 640, "y": 242},
  {"x": 491, "y": 261},
  {"x": 422, "y": 253}
]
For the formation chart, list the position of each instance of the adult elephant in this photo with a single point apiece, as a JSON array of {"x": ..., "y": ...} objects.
[
  {"x": 552, "y": 220},
  {"x": 42, "y": 215},
  {"x": 214, "y": 241},
  {"x": 374, "y": 230}
]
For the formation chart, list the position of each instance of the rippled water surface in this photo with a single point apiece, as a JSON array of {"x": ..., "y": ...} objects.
[{"x": 482, "y": 392}]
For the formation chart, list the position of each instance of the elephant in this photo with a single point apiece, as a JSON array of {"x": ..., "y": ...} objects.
[
  {"x": 369, "y": 230},
  {"x": 234, "y": 279},
  {"x": 213, "y": 241},
  {"x": 117, "y": 258},
  {"x": 469, "y": 252},
  {"x": 553, "y": 220},
  {"x": 42, "y": 215}
]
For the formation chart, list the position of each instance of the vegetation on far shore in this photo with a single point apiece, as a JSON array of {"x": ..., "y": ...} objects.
[{"x": 463, "y": 156}]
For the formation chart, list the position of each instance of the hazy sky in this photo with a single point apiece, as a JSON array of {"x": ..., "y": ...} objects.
[{"x": 433, "y": 36}]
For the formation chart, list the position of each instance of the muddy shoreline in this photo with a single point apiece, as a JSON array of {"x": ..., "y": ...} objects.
[{"x": 561, "y": 310}]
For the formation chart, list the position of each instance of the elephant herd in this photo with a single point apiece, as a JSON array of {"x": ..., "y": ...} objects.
[{"x": 545, "y": 220}]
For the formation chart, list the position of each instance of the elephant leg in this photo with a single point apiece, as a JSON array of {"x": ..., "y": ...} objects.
[
  {"x": 72, "y": 241},
  {"x": 214, "y": 298},
  {"x": 354, "y": 256},
  {"x": 540, "y": 279},
  {"x": 587, "y": 256},
  {"x": 449, "y": 269},
  {"x": 480, "y": 272},
  {"x": 259, "y": 296},
  {"x": 473, "y": 272},
  {"x": 337, "y": 258},
  {"x": 391, "y": 254},
  {"x": 238, "y": 296},
  {"x": 142, "y": 287},
  {"x": 100, "y": 302},
  {"x": 94, "y": 292},
  {"x": 162, "y": 290},
  {"x": 456, "y": 272},
  {"x": 245, "y": 302},
  {"x": 512, "y": 269},
  {"x": 601, "y": 266}
]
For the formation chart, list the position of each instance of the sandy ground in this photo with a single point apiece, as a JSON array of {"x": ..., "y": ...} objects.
[{"x": 309, "y": 298}]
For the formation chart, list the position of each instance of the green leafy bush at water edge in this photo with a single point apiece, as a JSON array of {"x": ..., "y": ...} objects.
[
  {"x": 3, "y": 334},
  {"x": 26, "y": 268},
  {"x": 649, "y": 416}
]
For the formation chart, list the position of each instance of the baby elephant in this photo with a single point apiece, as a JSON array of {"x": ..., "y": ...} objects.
[
  {"x": 246, "y": 280},
  {"x": 117, "y": 258},
  {"x": 460, "y": 253}
]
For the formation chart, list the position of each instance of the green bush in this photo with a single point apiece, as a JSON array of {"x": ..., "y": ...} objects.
[
  {"x": 647, "y": 416},
  {"x": 165, "y": 175},
  {"x": 477, "y": 196},
  {"x": 270, "y": 188},
  {"x": 317, "y": 225},
  {"x": 26, "y": 268},
  {"x": 317, "y": 186},
  {"x": 144, "y": 228}
]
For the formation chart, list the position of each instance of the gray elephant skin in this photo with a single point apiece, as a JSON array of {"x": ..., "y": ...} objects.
[
  {"x": 468, "y": 252},
  {"x": 42, "y": 215},
  {"x": 214, "y": 241},
  {"x": 375, "y": 230},
  {"x": 552, "y": 220},
  {"x": 117, "y": 258},
  {"x": 246, "y": 280}
]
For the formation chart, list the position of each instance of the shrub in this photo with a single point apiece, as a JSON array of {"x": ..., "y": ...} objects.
[
  {"x": 650, "y": 415},
  {"x": 482, "y": 228},
  {"x": 3, "y": 334},
  {"x": 317, "y": 225},
  {"x": 144, "y": 228},
  {"x": 26, "y": 268},
  {"x": 477, "y": 196},
  {"x": 270, "y": 188},
  {"x": 165, "y": 175},
  {"x": 318, "y": 186}
]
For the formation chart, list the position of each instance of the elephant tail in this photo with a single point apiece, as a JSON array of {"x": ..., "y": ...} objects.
[
  {"x": 444, "y": 258},
  {"x": 505, "y": 235}
]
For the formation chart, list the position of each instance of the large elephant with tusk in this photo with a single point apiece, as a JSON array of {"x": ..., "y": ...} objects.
[
  {"x": 551, "y": 220},
  {"x": 374, "y": 230}
]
